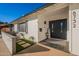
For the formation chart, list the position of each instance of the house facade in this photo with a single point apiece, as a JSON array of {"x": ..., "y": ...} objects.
[{"x": 58, "y": 20}]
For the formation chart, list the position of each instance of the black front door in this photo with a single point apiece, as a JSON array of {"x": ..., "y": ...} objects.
[{"x": 58, "y": 28}]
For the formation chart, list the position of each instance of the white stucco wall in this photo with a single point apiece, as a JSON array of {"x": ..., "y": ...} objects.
[
  {"x": 33, "y": 29},
  {"x": 9, "y": 41},
  {"x": 54, "y": 14},
  {"x": 74, "y": 32}
]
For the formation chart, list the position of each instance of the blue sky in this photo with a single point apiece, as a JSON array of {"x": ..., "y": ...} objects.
[{"x": 12, "y": 11}]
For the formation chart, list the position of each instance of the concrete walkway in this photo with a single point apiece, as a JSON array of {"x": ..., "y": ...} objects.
[
  {"x": 35, "y": 50},
  {"x": 60, "y": 44},
  {"x": 3, "y": 49},
  {"x": 42, "y": 50}
]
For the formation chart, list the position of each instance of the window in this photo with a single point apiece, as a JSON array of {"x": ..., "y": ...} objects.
[
  {"x": 52, "y": 27},
  {"x": 23, "y": 27}
]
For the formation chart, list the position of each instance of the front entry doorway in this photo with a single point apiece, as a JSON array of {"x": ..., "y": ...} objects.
[
  {"x": 58, "y": 35},
  {"x": 58, "y": 28}
]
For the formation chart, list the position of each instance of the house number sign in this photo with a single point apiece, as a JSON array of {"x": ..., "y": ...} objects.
[{"x": 74, "y": 19}]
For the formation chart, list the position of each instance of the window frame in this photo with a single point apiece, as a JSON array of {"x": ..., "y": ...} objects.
[{"x": 25, "y": 29}]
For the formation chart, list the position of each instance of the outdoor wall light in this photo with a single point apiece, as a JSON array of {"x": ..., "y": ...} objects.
[{"x": 44, "y": 22}]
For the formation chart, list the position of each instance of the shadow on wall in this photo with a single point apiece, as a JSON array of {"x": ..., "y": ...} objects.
[{"x": 33, "y": 49}]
